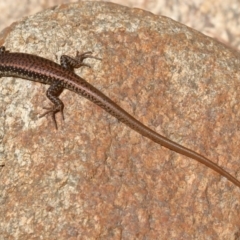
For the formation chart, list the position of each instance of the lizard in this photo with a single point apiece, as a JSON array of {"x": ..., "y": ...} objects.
[{"x": 62, "y": 76}]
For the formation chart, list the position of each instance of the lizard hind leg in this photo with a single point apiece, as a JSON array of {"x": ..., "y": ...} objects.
[
  {"x": 52, "y": 94},
  {"x": 3, "y": 50},
  {"x": 70, "y": 63}
]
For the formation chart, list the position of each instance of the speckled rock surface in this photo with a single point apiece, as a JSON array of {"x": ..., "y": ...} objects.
[
  {"x": 215, "y": 18},
  {"x": 95, "y": 178}
]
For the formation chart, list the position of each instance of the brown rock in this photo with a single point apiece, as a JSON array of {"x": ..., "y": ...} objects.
[{"x": 95, "y": 178}]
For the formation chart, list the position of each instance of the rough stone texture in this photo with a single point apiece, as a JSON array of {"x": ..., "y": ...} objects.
[
  {"x": 95, "y": 178},
  {"x": 216, "y": 18}
]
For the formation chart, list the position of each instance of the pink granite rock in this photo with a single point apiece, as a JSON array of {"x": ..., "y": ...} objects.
[{"x": 95, "y": 178}]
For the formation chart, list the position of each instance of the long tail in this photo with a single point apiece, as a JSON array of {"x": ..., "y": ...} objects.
[{"x": 97, "y": 97}]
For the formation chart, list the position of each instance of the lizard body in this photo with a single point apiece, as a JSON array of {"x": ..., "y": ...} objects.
[{"x": 60, "y": 77}]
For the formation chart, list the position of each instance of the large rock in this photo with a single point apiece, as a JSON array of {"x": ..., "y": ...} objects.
[{"x": 95, "y": 178}]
